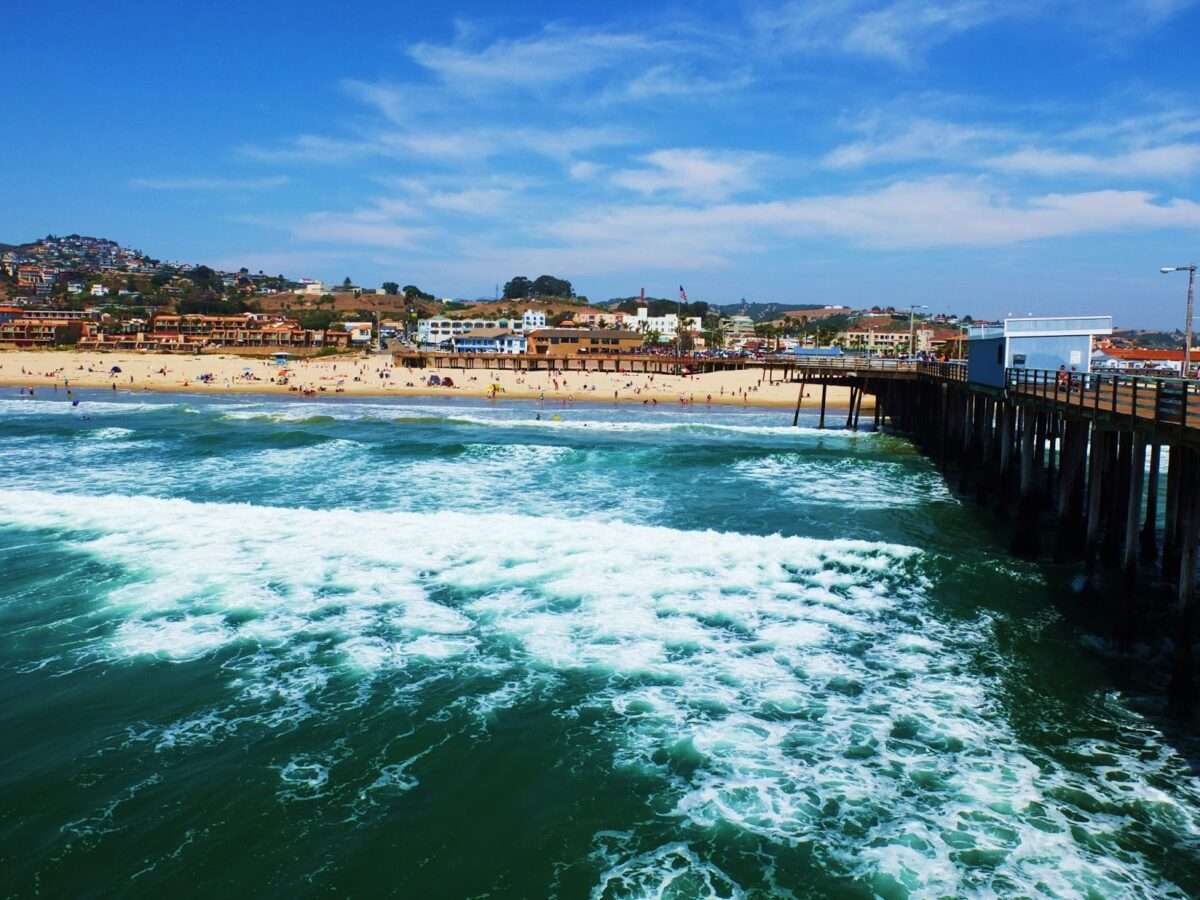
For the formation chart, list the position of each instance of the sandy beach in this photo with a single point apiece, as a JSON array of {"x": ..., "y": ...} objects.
[{"x": 377, "y": 376}]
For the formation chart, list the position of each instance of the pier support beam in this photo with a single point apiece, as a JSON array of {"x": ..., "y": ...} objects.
[
  {"x": 1133, "y": 505},
  {"x": 1149, "y": 535},
  {"x": 1170, "y": 554},
  {"x": 799, "y": 400},
  {"x": 1183, "y": 676},
  {"x": 1069, "y": 495},
  {"x": 824, "y": 391},
  {"x": 1025, "y": 538},
  {"x": 1098, "y": 481}
]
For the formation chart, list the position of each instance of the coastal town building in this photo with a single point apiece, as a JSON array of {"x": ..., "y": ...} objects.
[
  {"x": 1034, "y": 342},
  {"x": 665, "y": 326},
  {"x": 490, "y": 340},
  {"x": 360, "y": 332},
  {"x": 440, "y": 330},
  {"x": 27, "y": 333},
  {"x": 575, "y": 341},
  {"x": 1124, "y": 359},
  {"x": 738, "y": 330}
]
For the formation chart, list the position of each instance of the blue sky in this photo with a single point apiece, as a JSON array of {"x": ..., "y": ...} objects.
[{"x": 973, "y": 155}]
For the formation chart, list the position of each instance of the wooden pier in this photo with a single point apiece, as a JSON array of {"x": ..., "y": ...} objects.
[{"x": 1076, "y": 461}]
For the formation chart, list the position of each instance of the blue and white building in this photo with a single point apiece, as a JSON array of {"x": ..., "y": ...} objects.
[
  {"x": 1034, "y": 342},
  {"x": 441, "y": 330},
  {"x": 489, "y": 340}
]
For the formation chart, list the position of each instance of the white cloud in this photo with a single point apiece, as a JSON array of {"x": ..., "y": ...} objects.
[
  {"x": 309, "y": 148},
  {"x": 674, "y": 81},
  {"x": 1165, "y": 161},
  {"x": 583, "y": 170},
  {"x": 449, "y": 145},
  {"x": 555, "y": 55},
  {"x": 918, "y": 140},
  {"x": 935, "y": 212},
  {"x": 692, "y": 173},
  {"x": 211, "y": 184},
  {"x": 899, "y": 32},
  {"x": 385, "y": 223},
  {"x": 468, "y": 196}
]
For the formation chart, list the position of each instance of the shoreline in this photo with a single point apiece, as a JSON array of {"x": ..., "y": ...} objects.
[{"x": 377, "y": 377}]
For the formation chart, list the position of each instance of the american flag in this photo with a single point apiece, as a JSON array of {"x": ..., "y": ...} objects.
[{"x": 683, "y": 294}]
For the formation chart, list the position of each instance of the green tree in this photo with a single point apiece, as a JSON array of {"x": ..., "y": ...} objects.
[
  {"x": 347, "y": 283},
  {"x": 391, "y": 288},
  {"x": 518, "y": 288},
  {"x": 549, "y": 286},
  {"x": 714, "y": 332},
  {"x": 316, "y": 319}
]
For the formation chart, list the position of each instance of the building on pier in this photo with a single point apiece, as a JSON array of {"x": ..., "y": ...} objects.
[{"x": 1033, "y": 342}]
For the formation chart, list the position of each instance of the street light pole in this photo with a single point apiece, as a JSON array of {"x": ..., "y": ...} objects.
[
  {"x": 1187, "y": 329},
  {"x": 912, "y": 317}
]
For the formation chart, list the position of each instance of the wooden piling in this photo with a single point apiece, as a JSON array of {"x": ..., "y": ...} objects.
[
  {"x": 799, "y": 400},
  {"x": 1183, "y": 676},
  {"x": 1133, "y": 506},
  {"x": 1026, "y": 538},
  {"x": 1149, "y": 535},
  {"x": 1097, "y": 480}
]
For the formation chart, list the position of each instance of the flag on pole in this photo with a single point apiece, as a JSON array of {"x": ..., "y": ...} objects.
[{"x": 683, "y": 294}]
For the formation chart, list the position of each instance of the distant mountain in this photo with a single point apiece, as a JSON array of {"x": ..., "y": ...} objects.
[
  {"x": 763, "y": 312},
  {"x": 1154, "y": 340}
]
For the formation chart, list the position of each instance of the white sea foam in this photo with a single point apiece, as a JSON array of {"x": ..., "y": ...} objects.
[
  {"x": 553, "y": 417},
  {"x": 671, "y": 871},
  {"x": 845, "y": 481},
  {"x": 798, "y": 690},
  {"x": 44, "y": 405},
  {"x": 110, "y": 434}
]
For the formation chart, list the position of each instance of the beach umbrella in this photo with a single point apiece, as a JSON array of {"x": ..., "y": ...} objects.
[{"x": 114, "y": 370}]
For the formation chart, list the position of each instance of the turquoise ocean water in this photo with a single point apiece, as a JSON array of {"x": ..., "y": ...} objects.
[{"x": 446, "y": 649}]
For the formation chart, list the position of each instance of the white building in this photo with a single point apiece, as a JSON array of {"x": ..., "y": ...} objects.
[
  {"x": 490, "y": 340},
  {"x": 360, "y": 332},
  {"x": 531, "y": 319},
  {"x": 667, "y": 327},
  {"x": 738, "y": 330},
  {"x": 311, "y": 286},
  {"x": 99, "y": 290},
  {"x": 442, "y": 329}
]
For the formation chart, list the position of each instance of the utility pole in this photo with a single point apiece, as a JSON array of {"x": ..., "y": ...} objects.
[
  {"x": 912, "y": 317},
  {"x": 1187, "y": 328}
]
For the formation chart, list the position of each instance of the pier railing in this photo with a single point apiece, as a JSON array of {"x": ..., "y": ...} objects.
[{"x": 1167, "y": 401}]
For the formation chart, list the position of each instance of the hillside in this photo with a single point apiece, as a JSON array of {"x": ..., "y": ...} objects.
[{"x": 763, "y": 312}]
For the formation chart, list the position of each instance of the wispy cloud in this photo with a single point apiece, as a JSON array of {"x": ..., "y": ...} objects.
[
  {"x": 211, "y": 184},
  {"x": 704, "y": 174},
  {"x": 898, "y": 32},
  {"x": 920, "y": 139},
  {"x": 385, "y": 222},
  {"x": 925, "y": 213},
  {"x": 1154, "y": 162},
  {"x": 554, "y": 55}
]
